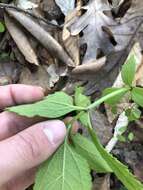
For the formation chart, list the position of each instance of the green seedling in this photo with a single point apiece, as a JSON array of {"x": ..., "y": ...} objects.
[
  {"x": 2, "y": 27},
  {"x": 69, "y": 168}
]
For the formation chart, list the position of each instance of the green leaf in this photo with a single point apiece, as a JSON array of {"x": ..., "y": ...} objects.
[
  {"x": 133, "y": 114},
  {"x": 80, "y": 99},
  {"x": 114, "y": 100},
  {"x": 4, "y": 56},
  {"x": 53, "y": 106},
  {"x": 121, "y": 138},
  {"x": 122, "y": 188},
  {"x": 2, "y": 27},
  {"x": 137, "y": 96},
  {"x": 88, "y": 150},
  {"x": 123, "y": 129},
  {"x": 128, "y": 71},
  {"x": 119, "y": 169},
  {"x": 131, "y": 136},
  {"x": 84, "y": 119},
  {"x": 114, "y": 109},
  {"x": 66, "y": 170}
]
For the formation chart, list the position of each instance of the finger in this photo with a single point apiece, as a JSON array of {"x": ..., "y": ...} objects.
[
  {"x": 21, "y": 182},
  {"x": 29, "y": 148},
  {"x": 11, "y": 124},
  {"x": 18, "y": 94},
  {"x": 75, "y": 124}
]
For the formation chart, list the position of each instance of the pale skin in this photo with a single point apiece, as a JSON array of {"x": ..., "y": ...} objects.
[{"x": 24, "y": 143}]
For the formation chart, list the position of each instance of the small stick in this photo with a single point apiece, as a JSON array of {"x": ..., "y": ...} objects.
[
  {"x": 121, "y": 123},
  {"x": 91, "y": 67}
]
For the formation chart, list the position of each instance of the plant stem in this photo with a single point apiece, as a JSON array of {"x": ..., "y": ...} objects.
[
  {"x": 108, "y": 96},
  {"x": 89, "y": 121},
  {"x": 121, "y": 123},
  {"x": 76, "y": 118}
]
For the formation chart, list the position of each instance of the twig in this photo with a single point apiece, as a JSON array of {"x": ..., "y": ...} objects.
[
  {"x": 121, "y": 123},
  {"x": 91, "y": 67}
]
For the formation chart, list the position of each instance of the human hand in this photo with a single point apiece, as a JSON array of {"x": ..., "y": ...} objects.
[{"x": 24, "y": 143}]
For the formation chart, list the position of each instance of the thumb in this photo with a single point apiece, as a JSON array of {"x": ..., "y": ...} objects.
[{"x": 29, "y": 148}]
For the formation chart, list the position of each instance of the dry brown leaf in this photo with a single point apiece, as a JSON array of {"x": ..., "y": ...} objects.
[
  {"x": 54, "y": 48},
  {"x": 139, "y": 72},
  {"x": 71, "y": 43},
  {"x": 66, "y": 6},
  {"x": 54, "y": 77},
  {"x": 129, "y": 28},
  {"x": 126, "y": 32},
  {"x": 90, "y": 68},
  {"x": 21, "y": 40},
  {"x": 102, "y": 183},
  {"x": 91, "y": 23},
  {"x": 51, "y": 10},
  {"x": 9, "y": 72},
  {"x": 138, "y": 170},
  {"x": 38, "y": 78},
  {"x": 102, "y": 126}
]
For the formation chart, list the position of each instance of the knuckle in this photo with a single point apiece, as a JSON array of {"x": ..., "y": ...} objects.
[
  {"x": 8, "y": 120},
  {"x": 29, "y": 146}
]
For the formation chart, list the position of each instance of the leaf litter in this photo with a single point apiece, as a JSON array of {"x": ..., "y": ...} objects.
[{"x": 77, "y": 42}]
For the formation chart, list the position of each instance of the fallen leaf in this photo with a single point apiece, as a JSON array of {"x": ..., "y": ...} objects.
[
  {"x": 51, "y": 10},
  {"x": 102, "y": 183},
  {"x": 54, "y": 77},
  {"x": 21, "y": 39},
  {"x": 139, "y": 72},
  {"x": 91, "y": 23},
  {"x": 26, "y": 4},
  {"x": 44, "y": 37},
  {"x": 66, "y": 5},
  {"x": 90, "y": 68},
  {"x": 125, "y": 32},
  {"x": 9, "y": 72},
  {"x": 102, "y": 127},
  {"x": 37, "y": 78},
  {"x": 128, "y": 29},
  {"x": 138, "y": 170},
  {"x": 71, "y": 43}
]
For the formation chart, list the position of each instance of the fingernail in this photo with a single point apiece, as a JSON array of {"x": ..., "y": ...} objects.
[{"x": 55, "y": 131}]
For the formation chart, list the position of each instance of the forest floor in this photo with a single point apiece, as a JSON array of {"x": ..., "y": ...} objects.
[{"x": 61, "y": 44}]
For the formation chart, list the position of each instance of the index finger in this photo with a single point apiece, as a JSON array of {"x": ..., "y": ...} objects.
[{"x": 19, "y": 94}]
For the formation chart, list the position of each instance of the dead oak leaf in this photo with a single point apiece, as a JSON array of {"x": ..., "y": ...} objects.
[
  {"x": 91, "y": 23},
  {"x": 129, "y": 27}
]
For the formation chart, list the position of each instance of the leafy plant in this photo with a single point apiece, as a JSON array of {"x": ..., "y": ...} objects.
[
  {"x": 133, "y": 113},
  {"x": 2, "y": 27},
  {"x": 52, "y": 106},
  {"x": 131, "y": 136},
  {"x": 69, "y": 167},
  {"x": 64, "y": 168},
  {"x": 128, "y": 71}
]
